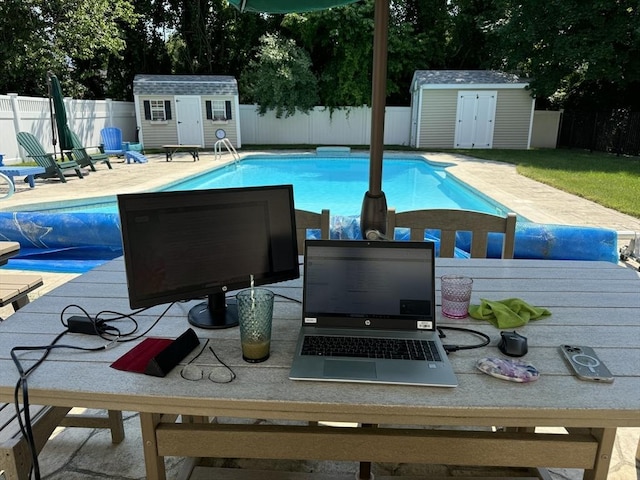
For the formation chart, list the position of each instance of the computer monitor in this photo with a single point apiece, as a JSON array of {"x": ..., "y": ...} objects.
[{"x": 183, "y": 245}]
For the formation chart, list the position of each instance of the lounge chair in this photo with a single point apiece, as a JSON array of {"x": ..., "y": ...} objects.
[
  {"x": 85, "y": 159},
  {"x": 112, "y": 143},
  {"x": 52, "y": 168}
]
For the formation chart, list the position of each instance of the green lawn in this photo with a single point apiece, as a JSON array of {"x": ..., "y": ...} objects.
[{"x": 605, "y": 179}]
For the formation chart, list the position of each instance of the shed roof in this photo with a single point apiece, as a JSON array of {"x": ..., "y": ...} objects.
[
  {"x": 185, "y": 85},
  {"x": 466, "y": 79}
]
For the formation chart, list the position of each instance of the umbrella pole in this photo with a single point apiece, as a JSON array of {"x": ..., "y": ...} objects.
[
  {"x": 373, "y": 218},
  {"x": 51, "y": 115}
]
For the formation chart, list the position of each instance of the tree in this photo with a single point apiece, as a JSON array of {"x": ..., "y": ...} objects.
[
  {"x": 280, "y": 79},
  {"x": 58, "y": 35},
  {"x": 577, "y": 52}
]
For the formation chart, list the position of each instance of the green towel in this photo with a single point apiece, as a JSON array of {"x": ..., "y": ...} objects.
[{"x": 509, "y": 313}]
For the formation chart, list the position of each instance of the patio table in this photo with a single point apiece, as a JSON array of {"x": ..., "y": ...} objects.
[{"x": 592, "y": 303}]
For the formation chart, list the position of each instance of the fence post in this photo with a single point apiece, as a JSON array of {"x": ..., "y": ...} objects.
[
  {"x": 16, "y": 119},
  {"x": 109, "y": 104}
]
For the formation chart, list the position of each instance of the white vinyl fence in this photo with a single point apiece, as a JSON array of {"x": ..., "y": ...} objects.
[
  {"x": 320, "y": 127},
  {"x": 86, "y": 118},
  {"x": 350, "y": 126}
]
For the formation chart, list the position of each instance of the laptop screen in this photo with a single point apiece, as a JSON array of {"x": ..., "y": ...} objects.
[{"x": 389, "y": 285}]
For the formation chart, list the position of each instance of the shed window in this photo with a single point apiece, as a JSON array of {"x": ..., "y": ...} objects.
[
  {"x": 157, "y": 110},
  {"x": 218, "y": 110}
]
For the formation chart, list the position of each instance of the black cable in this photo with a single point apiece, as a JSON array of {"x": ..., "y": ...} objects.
[
  {"x": 291, "y": 299},
  {"x": 101, "y": 328},
  {"x": 455, "y": 348}
]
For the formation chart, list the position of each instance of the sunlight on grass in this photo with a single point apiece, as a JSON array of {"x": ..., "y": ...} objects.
[{"x": 602, "y": 178}]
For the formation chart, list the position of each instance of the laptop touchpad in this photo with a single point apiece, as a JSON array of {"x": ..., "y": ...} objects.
[{"x": 349, "y": 369}]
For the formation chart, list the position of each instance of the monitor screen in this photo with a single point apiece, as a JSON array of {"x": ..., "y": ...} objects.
[{"x": 184, "y": 245}]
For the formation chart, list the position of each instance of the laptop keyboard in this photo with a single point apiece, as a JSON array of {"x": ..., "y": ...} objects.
[{"x": 367, "y": 347}]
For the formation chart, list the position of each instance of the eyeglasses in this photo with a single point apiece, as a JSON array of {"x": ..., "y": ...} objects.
[{"x": 218, "y": 374}]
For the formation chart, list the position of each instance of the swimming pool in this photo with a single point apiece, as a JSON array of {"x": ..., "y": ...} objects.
[
  {"x": 82, "y": 234},
  {"x": 334, "y": 183}
]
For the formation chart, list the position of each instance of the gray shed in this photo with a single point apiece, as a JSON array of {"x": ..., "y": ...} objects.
[
  {"x": 470, "y": 109},
  {"x": 186, "y": 109}
]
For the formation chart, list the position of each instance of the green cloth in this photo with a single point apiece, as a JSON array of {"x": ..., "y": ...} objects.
[{"x": 509, "y": 313}]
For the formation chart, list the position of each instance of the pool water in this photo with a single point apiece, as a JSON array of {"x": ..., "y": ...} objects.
[{"x": 337, "y": 184}]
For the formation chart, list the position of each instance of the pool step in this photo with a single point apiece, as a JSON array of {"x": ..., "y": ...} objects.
[{"x": 333, "y": 151}]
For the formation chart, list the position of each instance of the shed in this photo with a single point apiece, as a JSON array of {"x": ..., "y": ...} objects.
[
  {"x": 186, "y": 109},
  {"x": 470, "y": 109}
]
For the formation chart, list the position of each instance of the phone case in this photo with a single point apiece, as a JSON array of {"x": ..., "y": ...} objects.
[{"x": 585, "y": 363}]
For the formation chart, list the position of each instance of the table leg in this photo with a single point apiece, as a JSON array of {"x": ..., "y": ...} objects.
[
  {"x": 606, "y": 438},
  {"x": 169, "y": 155},
  {"x": 154, "y": 463}
]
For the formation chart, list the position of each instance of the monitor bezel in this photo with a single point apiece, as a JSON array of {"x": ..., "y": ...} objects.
[{"x": 134, "y": 202}]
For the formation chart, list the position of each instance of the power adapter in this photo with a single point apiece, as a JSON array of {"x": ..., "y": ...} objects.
[{"x": 86, "y": 325}]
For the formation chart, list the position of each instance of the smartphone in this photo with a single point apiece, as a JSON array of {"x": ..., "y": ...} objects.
[{"x": 585, "y": 363}]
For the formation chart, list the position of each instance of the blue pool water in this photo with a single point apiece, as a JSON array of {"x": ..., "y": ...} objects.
[
  {"x": 337, "y": 184},
  {"x": 82, "y": 235}
]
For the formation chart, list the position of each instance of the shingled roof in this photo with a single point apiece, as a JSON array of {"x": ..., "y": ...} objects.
[
  {"x": 185, "y": 85},
  {"x": 465, "y": 78}
]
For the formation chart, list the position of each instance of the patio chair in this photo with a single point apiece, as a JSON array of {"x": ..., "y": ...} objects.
[
  {"x": 85, "y": 159},
  {"x": 449, "y": 222},
  {"x": 46, "y": 160},
  {"x": 306, "y": 220},
  {"x": 112, "y": 143}
]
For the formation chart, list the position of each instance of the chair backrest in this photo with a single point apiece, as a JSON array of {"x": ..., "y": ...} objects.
[
  {"x": 451, "y": 221},
  {"x": 30, "y": 143},
  {"x": 112, "y": 139},
  {"x": 306, "y": 220},
  {"x": 35, "y": 150},
  {"x": 75, "y": 140}
]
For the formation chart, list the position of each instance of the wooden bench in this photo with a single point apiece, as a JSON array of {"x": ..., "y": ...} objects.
[
  {"x": 15, "y": 288},
  {"x": 194, "y": 150}
]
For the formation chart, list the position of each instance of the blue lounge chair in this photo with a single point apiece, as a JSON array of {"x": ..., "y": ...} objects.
[{"x": 112, "y": 141}]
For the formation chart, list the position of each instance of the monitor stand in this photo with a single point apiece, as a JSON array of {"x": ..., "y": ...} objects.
[{"x": 216, "y": 312}]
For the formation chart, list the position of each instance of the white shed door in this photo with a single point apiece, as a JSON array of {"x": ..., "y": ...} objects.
[
  {"x": 189, "y": 119},
  {"x": 475, "y": 119}
]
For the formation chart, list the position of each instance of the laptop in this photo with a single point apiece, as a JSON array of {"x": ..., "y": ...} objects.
[{"x": 368, "y": 315}]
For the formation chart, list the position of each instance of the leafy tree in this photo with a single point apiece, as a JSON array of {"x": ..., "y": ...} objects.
[
  {"x": 58, "y": 35},
  {"x": 214, "y": 38},
  {"x": 280, "y": 79},
  {"x": 146, "y": 50},
  {"x": 577, "y": 52}
]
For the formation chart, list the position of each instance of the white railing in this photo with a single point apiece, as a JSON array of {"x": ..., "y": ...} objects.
[{"x": 217, "y": 149}]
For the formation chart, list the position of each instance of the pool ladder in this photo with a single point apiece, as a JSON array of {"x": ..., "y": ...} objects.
[{"x": 217, "y": 149}]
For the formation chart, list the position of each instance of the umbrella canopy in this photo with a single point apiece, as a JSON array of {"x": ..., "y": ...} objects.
[
  {"x": 373, "y": 219},
  {"x": 60, "y": 113}
]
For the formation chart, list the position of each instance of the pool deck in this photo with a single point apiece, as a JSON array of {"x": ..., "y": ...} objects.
[{"x": 88, "y": 454}]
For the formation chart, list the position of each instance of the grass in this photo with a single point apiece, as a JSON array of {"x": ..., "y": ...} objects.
[{"x": 600, "y": 177}]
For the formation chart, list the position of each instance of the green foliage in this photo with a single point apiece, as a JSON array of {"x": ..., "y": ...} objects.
[
  {"x": 572, "y": 49},
  {"x": 280, "y": 79},
  {"x": 577, "y": 53},
  {"x": 58, "y": 35}
]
